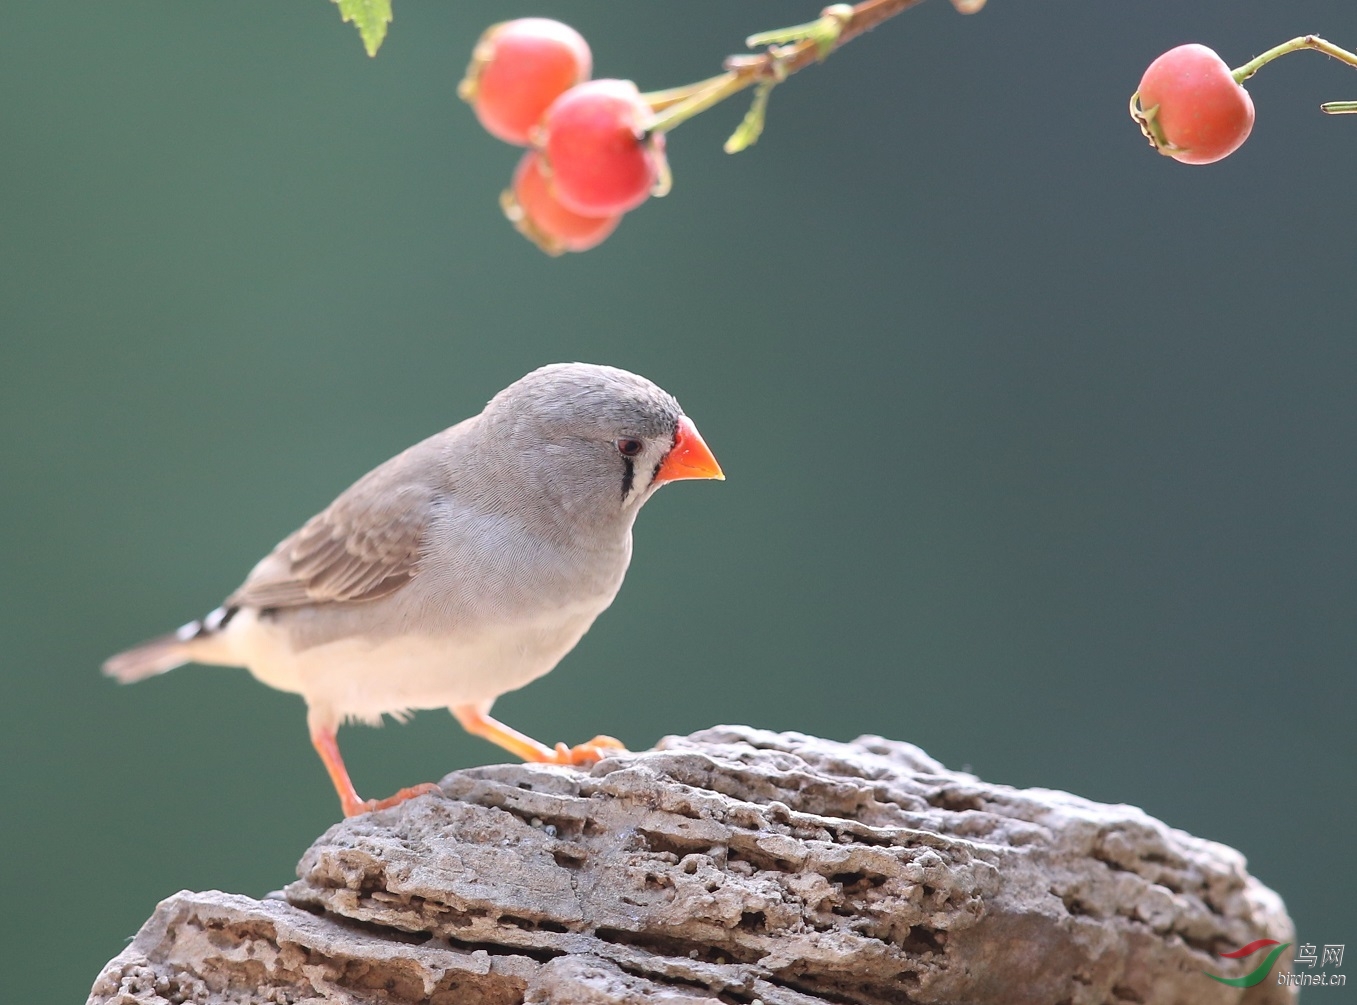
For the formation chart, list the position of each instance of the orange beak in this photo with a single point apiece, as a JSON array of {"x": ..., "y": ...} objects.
[{"x": 689, "y": 457}]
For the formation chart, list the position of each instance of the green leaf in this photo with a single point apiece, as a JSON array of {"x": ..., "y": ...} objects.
[
  {"x": 824, "y": 31},
  {"x": 749, "y": 130},
  {"x": 370, "y": 17}
]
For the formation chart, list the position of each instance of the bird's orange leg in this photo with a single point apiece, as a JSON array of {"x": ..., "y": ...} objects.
[
  {"x": 327, "y": 746},
  {"x": 477, "y": 723}
]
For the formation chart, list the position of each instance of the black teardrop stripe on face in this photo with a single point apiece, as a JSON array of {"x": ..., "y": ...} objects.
[{"x": 628, "y": 476}]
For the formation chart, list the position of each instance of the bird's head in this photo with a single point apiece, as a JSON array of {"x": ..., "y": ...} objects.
[{"x": 595, "y": 439}]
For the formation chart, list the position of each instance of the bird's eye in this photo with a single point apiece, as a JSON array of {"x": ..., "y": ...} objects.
[{"x": 629, "y": 447}]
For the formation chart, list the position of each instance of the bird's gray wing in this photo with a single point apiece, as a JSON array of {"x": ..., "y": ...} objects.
[{"x": 364, "y": 545}]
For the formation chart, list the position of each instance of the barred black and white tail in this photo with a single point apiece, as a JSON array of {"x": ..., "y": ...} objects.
[{"x": 166, "y": 651}]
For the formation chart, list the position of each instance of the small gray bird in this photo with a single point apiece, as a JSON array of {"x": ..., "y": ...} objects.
[{"x": 458, "y": 570}]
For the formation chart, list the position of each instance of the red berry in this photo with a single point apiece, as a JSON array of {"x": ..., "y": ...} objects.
[
  {"x": 520, "y": 67},
  {"x": 1191, "y": 108},
  {"x": 600, "y": 158},
  {"x": 539, "y": 216}
]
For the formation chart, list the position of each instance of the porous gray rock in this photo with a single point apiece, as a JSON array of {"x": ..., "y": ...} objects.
[{"x": 732, "y": 865}]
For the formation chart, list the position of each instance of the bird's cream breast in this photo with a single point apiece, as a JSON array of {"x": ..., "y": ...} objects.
[{"x": 363, "y": 677}]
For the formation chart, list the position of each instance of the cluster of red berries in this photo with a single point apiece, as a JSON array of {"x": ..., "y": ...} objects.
[
  {"x": 590, "y": 156},
  {"x": 1191, "y": 106}
]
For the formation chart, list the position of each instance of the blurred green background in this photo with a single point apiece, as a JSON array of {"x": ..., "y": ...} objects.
[{"x": 1040, "y": 446}]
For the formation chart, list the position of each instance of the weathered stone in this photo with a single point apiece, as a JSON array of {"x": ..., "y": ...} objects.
[{"x": 734, "y": 863}]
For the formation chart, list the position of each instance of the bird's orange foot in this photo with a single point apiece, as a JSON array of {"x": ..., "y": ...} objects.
[
  {"x": 584, "y": 755},
  {"x": 477, "y": 723},
  {"x": 368, "y": 805}
]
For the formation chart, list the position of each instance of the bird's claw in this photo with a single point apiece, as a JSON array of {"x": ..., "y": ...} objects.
[
  {"x": 584, "y": 755},
  {"x": 368, "y": 805}
]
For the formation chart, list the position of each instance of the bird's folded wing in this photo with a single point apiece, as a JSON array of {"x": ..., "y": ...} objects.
[{"x": 365, "y": 545}]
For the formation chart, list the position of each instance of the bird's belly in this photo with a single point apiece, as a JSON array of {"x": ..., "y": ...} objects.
[{"x": 364, "y": 678}]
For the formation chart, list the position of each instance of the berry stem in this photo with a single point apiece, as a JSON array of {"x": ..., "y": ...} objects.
[
  {"x": 717, "y": 90},
  {"x": 660, "y": 100},
  {"x": 679, "y": 104},
  {"x": 1246, "y": 71}
]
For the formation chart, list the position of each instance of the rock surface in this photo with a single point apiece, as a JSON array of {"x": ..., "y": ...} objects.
[{"x": 730, "y": 865}]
